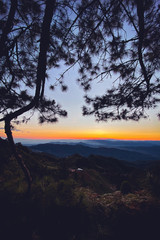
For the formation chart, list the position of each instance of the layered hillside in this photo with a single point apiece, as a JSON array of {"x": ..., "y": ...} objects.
[
  {"x": 77, "y": 197},
  {"x": 126, "y": 153}
]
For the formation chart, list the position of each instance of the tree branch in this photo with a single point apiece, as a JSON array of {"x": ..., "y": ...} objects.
[
  {"x": 8, "y": 26},
  {"x": 41, "y": 68},
  {"x": 140, "y": 13}
]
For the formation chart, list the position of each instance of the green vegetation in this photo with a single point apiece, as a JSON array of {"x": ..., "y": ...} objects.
[{"x": 77, "y": 198}]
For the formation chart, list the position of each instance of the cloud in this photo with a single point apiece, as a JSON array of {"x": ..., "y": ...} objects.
[{"x": 16, "y": 130}]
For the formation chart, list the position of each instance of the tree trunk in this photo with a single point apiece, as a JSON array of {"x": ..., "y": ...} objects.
[{"x": 17, "y": 156}]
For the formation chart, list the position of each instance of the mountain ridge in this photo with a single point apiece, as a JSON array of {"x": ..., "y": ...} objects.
[{"x": 64, "y": 150}]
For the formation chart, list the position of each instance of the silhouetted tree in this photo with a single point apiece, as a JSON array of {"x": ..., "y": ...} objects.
[
  {"x": 29, "y": 38},
  {"x": 103, "y": 37},
  {"x": 124, "y": 38}
]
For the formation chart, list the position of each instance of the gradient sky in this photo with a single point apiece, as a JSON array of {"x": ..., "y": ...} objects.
[{"x": 75, "y": 126}]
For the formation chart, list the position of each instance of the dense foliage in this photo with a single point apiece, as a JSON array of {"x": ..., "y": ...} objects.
[
  {"x": 125, "y": 38},
  {"x": 66, "y": 203}
]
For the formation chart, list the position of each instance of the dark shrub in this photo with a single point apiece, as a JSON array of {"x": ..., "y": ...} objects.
[{"x": 125, "y": 187}]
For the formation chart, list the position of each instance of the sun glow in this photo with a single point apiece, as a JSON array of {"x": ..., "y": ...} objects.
[
  {"x": 78, "y": 127},
  {"x": 39, "y": 133}
]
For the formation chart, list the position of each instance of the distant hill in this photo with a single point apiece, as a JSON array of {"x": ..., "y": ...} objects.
[
  {"x": 122, "y": 143},
  {"x": 131, "y": 154}
]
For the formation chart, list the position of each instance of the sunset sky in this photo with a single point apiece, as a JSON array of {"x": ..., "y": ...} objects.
[{"x": 75, "y": 126}]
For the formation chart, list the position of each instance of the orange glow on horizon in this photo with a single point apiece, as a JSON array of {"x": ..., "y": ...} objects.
[{"x": 84, "y": 135}]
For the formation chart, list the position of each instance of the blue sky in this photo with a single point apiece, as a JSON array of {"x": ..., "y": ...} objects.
[{"x": 78, "y": 126}]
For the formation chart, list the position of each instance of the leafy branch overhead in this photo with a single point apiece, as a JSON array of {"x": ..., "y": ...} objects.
[
  {"x": 125, "y": 40},
  {"x": 103, "y": 37}
]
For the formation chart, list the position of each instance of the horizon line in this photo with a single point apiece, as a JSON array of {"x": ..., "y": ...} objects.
[{"x": 72, "y": 139}]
